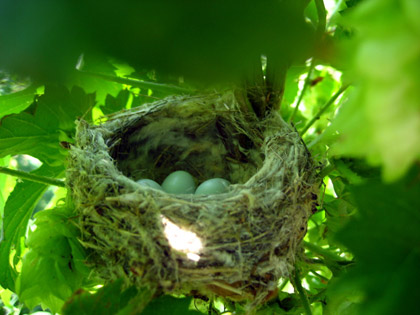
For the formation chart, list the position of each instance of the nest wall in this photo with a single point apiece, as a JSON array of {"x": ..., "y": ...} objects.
[{"x": 249, "y": 236}]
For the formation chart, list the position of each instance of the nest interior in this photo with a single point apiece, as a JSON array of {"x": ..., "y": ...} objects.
[{"x": 236, "y": 244}]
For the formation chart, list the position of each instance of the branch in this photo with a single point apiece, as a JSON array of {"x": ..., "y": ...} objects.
[
  {"x": 32, "y": 177},
  {"x": 320, "y": 30},
  {"x": 305, "y": 87},
  {"x": 323, "y": 109}
]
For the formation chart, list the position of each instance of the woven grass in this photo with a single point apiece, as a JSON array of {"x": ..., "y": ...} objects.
[{"x": 249, "y": 236}]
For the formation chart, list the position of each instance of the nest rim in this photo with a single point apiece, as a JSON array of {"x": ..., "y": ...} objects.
[{"x": 253, "y": 283}]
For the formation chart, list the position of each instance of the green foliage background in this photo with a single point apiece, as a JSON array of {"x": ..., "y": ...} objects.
[{"x": 351, "y": 90}]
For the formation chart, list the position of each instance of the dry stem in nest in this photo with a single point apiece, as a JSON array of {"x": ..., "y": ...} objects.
[{"x": 238, "y": 243}]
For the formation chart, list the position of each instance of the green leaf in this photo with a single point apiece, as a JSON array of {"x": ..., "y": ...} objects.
[
  {"x": 22, "y": 134},
  {"x": 338, "y": 213},
  {"x": 323, "y": 86},
  {"x": 291, "y": 87},
  {"x": 338, "y": 302},
  {"x": 6, "y": 297},
  {"x": 381, "y": 120},
  {"x": 16, "y": 102},
  {"x": 51, "y": 268},
  {"x": 352, "y": 3},
  {"x": 385, "y": 240},
  {"x": 40, "y": 282},
  {"x": 355, "y": 171},
  {"x": 109, "y": 299},
  {"x": 17, "y": 211},
  {"x": 287, "y": 304},
  {"x": 37, "y": 131},
  {"x": 115, "y": 104},
  {"x": 3, "y": 179},
  {"x": 211, "y": 41},
  {"x": 169, "y": 305},
  {"x": 59, "y": 107},
  {"x": 95, "y": 64}
]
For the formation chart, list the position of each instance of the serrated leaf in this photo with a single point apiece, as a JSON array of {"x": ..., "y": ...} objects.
[
  {"x": 16, "y": 102},
  {"x": 40, "y": 283},
  {"x": 291, "y": 87},
  {"x": 95, "y": 84},
  {"x": 170, "y": 305},
  {"x": 59, "y": 107},
  {"x": 115, "y": 104},
  {"x": 3, "y": 178},
  {"x": 109, "y": 299},
  {"x": 38, "y": 132},
  {"x": 20, "y": 134},
  {"x": 323, "y": 86},
  {"x": 50, "y": 245},
  {"x": 338, "y": 213},
  {"x": 17, "y": 211},
  {"x": 50, "y": 273},
  {"x": 355, "y": 171}
]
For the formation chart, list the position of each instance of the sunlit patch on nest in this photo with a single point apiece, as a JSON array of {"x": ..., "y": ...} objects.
[
  {"x": 237, "y": 244},
  {"x": 182, "y": 240}
]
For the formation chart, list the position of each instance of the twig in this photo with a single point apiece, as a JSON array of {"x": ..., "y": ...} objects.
[
  {"x": 32, "y": 177},
  {"x": 323, "y": 109},
  {"x": 302, "y": 92},
  {"x": 297, "y": 283}
]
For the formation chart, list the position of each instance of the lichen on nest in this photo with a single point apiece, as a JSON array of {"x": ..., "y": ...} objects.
[{"x": 237, "y": 244}]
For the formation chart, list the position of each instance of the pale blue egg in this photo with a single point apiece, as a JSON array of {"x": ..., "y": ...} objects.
[
  {"x": 149, "y": 183},
  {"x": 179, "y": 182},
  {"x": 213, "y": 186}
]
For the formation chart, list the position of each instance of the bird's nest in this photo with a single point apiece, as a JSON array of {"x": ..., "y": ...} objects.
[{"x": 237, "y": 244}]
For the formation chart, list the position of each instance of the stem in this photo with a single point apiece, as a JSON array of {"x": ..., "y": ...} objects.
[
  {"x": 319, "y": 275},
  {"x": 274, "y": 82},
  {"x": 305, "y": 87},
  {"x": 32, "y": 177},
  {"x": 297, "y": 283},
  {"x": 140, "y": 84},
  {"x": 321, "y": 27},
  {"x": 326, "y": 170},
  {"x": 323, "y": 109},
  {"x": 336, "y": 9},
  {"x": 323, "y": 252},
  {"x": 314, "y": 261},
  {"x": 255, "y": 88},
  {"x": 322, "y": 16},
  {"x": 282, "y": 286}
]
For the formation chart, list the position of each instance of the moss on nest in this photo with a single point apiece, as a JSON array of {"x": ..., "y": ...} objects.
[{"x": 249, "y": 236}]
